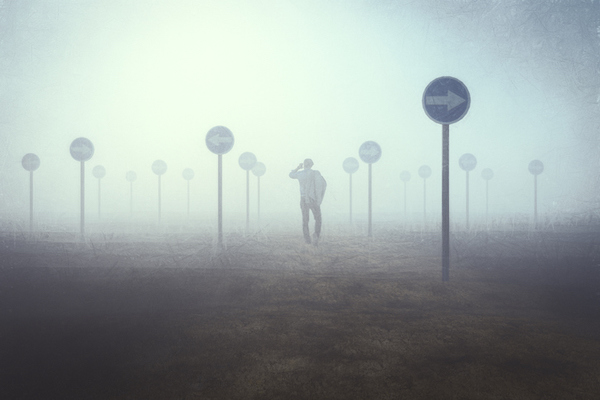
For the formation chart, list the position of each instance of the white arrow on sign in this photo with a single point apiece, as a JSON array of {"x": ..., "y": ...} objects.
[
  {"x": 217, "y": 140},
  {"x": 370, "y": 152},
  {"x": 451, "y": 100},
  {"x": 82, "y": 149}
]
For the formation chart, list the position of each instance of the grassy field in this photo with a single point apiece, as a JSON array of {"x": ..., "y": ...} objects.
[{"x": 168, "y": 317}]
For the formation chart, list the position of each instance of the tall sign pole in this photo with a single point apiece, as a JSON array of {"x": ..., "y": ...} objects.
[
  {"x": 350, "y": 165},
  {"x": 405, "y": 177},
  {"x": 30, "y": 162},
  {"x": 188, "y": 175},
  {"x": 446, "y": 100},
  {"x": 467, "y": 163},
  {"x": 370, "y": 152},
  {"x": 536, "y": 167},
  {"x": 247, "y": 161},
  {"x": 424, "y": 172},
  {"x": 99, "y": 172},
  {"x": 487, "y": 174},
  {"x": 131, "y": 176},
  {"x": 82, "y": 150},
  {"x": 159, "y": 167},
  {"x": 219, "y": 140},
  {"x": 258, "y": 170}
]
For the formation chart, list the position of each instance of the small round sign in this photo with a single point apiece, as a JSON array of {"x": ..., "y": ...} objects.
[
  {"x": 536, "y": 167},
  {"x": 424, "y": 171},
  {"x": 30, "y": 162},
  {"x": 159, "y": 167},
  {"x": 369, "y": 152},
  {"x": 247, "y": 161},
  {"x": 259, "y": 169},
  {"x": 467, "y": 162},
  {"x": 81, "y": 149},
  {"x": 405, "y": 176},
  {"x": 219, "y": 140},
  {"x": 188, "y": 174},
  {"x": 99, "y": 171},
  {"x": 131, "y": 176},
  {"x": 350, "y": 165},
  {"x": 446, "y": 100},
  {"x": 487, "y": 174}
]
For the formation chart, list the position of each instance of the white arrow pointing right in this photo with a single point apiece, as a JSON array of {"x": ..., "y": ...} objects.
[{"x": 452, "y": 100}]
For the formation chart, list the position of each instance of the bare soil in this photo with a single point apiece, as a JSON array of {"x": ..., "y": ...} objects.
[{"x": 169, "y": 317}]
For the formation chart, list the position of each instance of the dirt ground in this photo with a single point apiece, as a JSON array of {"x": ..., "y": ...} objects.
[{"x": 169, "y": 317}]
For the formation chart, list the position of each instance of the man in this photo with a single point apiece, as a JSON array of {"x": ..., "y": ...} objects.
[{"x": 312, "y": 190}]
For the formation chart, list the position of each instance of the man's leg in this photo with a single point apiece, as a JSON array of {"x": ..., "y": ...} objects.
[
  {"x": 316, "y": 209},
  {"x": 305, "y": 215}
]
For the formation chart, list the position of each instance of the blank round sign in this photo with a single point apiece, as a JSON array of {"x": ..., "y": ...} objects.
[
  {"x": 350, "y": 165},
  {"x": 247, "y": 161},
  {"x": 467, "y": 162},
  {"x": 369, "y": 152},
  {"x": 131, "y": 176},
  {"x": 188, "y": 174},
  {"x": 259, "y": 169},
  {"x": 405, "y": 176},
  {"x": 30, "y": 162},
  {"x": 487, "y": 174},
  {"x": 536, "y": 167},
  {"x": 424, "y": 171},
  {"x": 99, "y": 171},
  {"x": 159, "y": 167}
]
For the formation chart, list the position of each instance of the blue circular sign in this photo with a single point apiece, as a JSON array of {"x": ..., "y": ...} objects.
[
  {"x": 81, "y": 149},
  {"x": 536, "y": 167},
  {"x": 424, "y": 171},
  {"x": 446, "y": 100},
  {"x": 467, "y": 162},
  {"x": 219, "y": 140},
  {"x": 259, "y": 169},
  {"x": 369, "y": 152},
  {"x": 350, "y": 165},
  {"x": 30, "y": 162}
]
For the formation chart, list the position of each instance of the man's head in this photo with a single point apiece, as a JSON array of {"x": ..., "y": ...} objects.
[{"x": 308, "y": 163}]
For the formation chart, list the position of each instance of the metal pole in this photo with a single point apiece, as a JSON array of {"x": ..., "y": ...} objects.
[
  {"x": 404, "y": 204},
  {"x": 487, "y": 202},
  {"x": 30, "y": 201},
  {"x": 159, "y": 204},
  {"x": 467, "y": 200},
  {"x": 82, "y": 201},
  {"x": 188, "y": 199},
  {"x": 445, "y": 203},
  {"x": 99, "y": 189},
  {"x": 370, "y": 202},
  {"x": 535, "y": 211},
  {"x": 350, "y": 186},
  {"x": 424, "y": 202},
  {"x": 130, "y": 199},
  {"x": 258, "y": 200},
  {"x": 247, "y": 201},
  {"x": 220, "y": 203}
]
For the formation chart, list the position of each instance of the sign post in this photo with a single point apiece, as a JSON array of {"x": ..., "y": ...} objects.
[
  {"x": 131, "y": 176},
  {"x": 188, "y": 175},
  {"x": 467, "y": 163},
  {"x": 446, "y": 100},
  {"x": 258, "y": 171},
  {"x": 247, "y": 161},
  {"x": 99, "y": 172},
  {"x": 30, "y": 162},
  {"x": 219, "y": 140},
  {"x": 82, "y": 150},
  {"x": 370, "y": 152},
  {"x": 487, "y": 174},
  {"x": 159, "y": 167},
  {"x": 350, "y": 165},
  {"x": 536, "y": 167},
  {"x": 424, "y": 172},
  {"x": 405, "y": 177}
]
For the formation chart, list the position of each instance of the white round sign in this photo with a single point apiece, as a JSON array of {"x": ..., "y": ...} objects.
[
  {"x": 188, "y": 174},
  {"x": 259, "y": 169},
  {"x": 159, "y": 167},
  {"x": 81, "y": 149},
  {"x": 405, "y": 176},
  {"x": 487, "y": 174},
  {"x": 350, "y": 165},
  {"x": 424, "y": 171},
  {"x": 247, "y": 161},
  {"x": 99, "y": 171},
  {"x": 467, "y": 162},
  {"x": 30, "y": 162},
  {"x": 131, "y": 176},
  {"x": 536, "y": 167}
]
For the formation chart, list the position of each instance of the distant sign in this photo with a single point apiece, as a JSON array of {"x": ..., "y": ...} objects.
[
  {"x": 30, "y": 162},
  {"x": 369, "y": 152},
  {"x": 219, "y": 140},
  {"x": 424, "y": 171},
  {"x": 467, "y": 162},
  {"x": 487, "y": 174},
  {"x": 536, "y": 167},
  {"x": 81, "y": 149},
  {"x": 247, "y": 161},
  {"x": 99, "y": 171},
  {"x": 350, "y": 165},
  {"x": 446, "y": 100},
  {"x": 188, "y": 174},
  {"x": 131, "y": 176},
  {"x": 159, "y": 167},
  {"x": 259, "y": 169},
  {"x": 405, "y": 176}
]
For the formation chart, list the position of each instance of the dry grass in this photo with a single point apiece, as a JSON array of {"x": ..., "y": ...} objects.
[{"x": 272, "y": 318}]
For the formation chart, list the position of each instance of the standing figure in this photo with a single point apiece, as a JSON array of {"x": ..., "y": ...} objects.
[{"x": 312, "y": 190}]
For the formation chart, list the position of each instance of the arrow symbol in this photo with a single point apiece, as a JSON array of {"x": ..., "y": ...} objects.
[
  {"x": 370, "y": 152},
  {"x": 452, "y": 100},
  {"x": 81, "y": 149},
  {"x": 217, "y": 140}
]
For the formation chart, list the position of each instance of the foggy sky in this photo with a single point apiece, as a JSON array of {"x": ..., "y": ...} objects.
[{"x": 146, "y": 80}]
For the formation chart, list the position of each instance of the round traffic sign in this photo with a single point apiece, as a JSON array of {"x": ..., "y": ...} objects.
[
  {"x": 536, "y": 167},
  {"x": 350, "y": 165},
  {"x": 467, "y": 162},
  {"x": 131, "y": 176},
  {"x": 369, "y": 152},
  {"x": 259, "y": 169},
  {"x": 424, "y": 171},
  {"x": 81, "y": 149},
  {"x": 99, "y": 171},
  {"x": 219, "y": 140},
  {"x": 159, "y": 167},
  {"x": 188, "y": 174},
  {"x": 487, "y": 174},
  {"x": 30, "y": 162},
  {"x": 405, "y": 176},
  {"x": 446, "y": 100},
  {"x": 247, "y": 161}
]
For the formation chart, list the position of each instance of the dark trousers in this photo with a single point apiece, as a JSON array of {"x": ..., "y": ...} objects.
[{"x": 305, "y": 206}]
